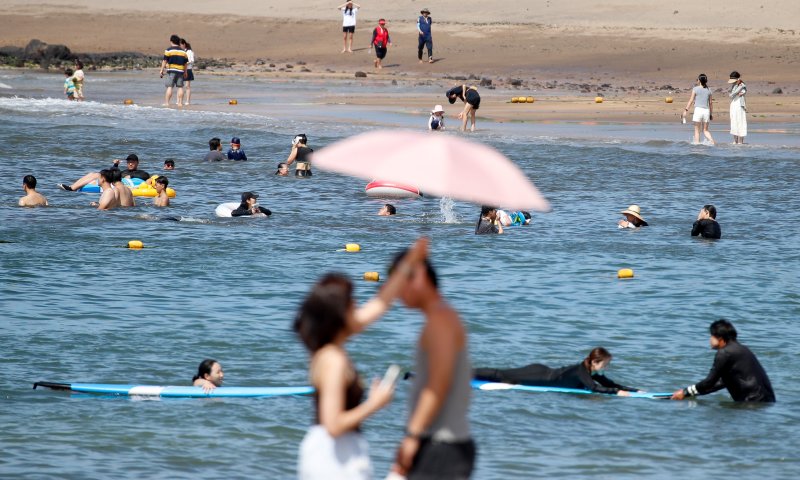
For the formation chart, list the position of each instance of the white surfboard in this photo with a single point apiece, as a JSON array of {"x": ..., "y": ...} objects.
[{"x": 225, "y": 209}]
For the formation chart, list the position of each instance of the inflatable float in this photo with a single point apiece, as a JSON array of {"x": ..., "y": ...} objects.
[
  {"x": 225, "y": 209},
  {"x": 138, "y": 187},
  {"x": 383, "y": 189},
  {"x": 176, "y": 391},
  {"x": 483, "y": 385}
]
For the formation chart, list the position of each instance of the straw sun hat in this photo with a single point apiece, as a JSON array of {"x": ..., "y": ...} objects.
[
  {"x": 437, "y": 108},
  {"x": 635, "y": 211}
]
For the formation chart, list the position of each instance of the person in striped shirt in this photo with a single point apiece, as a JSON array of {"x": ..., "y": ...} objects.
[{"x": 174, "y": 65}]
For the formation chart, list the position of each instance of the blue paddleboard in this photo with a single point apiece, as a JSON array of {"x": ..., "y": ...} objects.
[
  {"x": 484, "y": 385},
  {"x": 176, "y": 391}
]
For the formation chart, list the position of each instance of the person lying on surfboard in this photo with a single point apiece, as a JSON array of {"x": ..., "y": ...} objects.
[{"x": 587, "y": 375}]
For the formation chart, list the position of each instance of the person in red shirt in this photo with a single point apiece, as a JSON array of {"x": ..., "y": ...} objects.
[{"x": 381, "y": 42}]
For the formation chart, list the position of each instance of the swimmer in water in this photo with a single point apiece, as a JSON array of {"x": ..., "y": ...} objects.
[
  {"x": 123, "y": 192},
  {"x": 387, "y": 210},
  {"x": 250, "y": 206},
  {"x": 633, "y": 218},
  {"x": 283, "y": 170},
  {"x": 488, "y": 222},
  {"x": 513, "y": 219},
  {"x": 162, "y": 199},
  {"x": 32, "y": 198},
  {"x": 109, "y": 198},
  {"x": 587, "y": 375},
  {"x": 169, "y": 164},
  {"x": 209, "y": 375}
]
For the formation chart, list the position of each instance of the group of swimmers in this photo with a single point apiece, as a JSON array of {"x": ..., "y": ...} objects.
[
  {"x": 300, "y": 155},
  {"x": 705, "y": 226}
]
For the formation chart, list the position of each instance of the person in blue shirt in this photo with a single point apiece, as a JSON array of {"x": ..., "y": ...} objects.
[
  {"x": 236, "y": 152},
  {"x": 425, "y": 39}
]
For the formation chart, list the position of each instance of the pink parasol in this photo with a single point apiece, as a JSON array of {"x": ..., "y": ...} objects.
[{"x": 437, "y": 164}]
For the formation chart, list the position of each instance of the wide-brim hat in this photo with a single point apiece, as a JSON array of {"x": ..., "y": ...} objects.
[
  {"x": 734, "y": 77},
  {"x": 437, "y": 108},
  {"x": 635, "y": 211},
  {"x": 424, "y": 10}
]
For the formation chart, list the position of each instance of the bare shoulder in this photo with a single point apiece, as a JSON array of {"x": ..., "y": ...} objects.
[{"x": 444, "y": 322}]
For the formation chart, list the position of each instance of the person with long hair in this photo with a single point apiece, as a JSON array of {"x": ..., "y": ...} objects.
[
  {"x": 349, "y": 12},
  {"x": 301, "y": 153},
  {"x": 209, "y": 375},
  {"x": 472, "y": 102},
  {"x": 189, "y": 77},
  {"x": 78, "y": 78},
  {"x": 586, "y": 375},
  {"x": 488, "y": 222},
  {"x": 738, "y": 107},
  {"x": 333, "y": 448},
  {"x": 703, "y": 109}
]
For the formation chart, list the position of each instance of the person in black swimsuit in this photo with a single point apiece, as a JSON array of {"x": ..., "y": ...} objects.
[
  {"x": 706, "y": 224},
  {"x": 250, "y": 206},
  {"x": 586, "y": 375},
  {"x": 735, "y": 368},
  {"x": 301, "y": 154},
  {"x": 472, "y": 101},
  {"x": 327, "y": 318}
]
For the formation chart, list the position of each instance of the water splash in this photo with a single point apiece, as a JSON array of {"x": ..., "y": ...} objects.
[{"x": 446, "y": 208}]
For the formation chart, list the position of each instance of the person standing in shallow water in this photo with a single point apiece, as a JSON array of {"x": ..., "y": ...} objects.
[
  {"x": 703, "y": 109},
  {"x": 472, "y": 101},
  {"x": 189, "y": 77},
  {"x": 334, "y": 448},
  {"x": 738, "y": 108},
  {"x": 735, "y": 368},
  {"x": 300, "y": 154},
  {"x": 706, "y": 224}
]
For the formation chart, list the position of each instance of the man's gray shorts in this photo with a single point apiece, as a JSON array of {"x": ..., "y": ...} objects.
[{"x": 174, "y": 79}]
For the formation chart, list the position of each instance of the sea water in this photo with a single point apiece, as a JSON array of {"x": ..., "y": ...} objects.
[{"x": 78, "y": 307}]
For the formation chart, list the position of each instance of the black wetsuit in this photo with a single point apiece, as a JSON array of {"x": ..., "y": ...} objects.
[
  {"x": 140, "y": 174},
  {"x": 538, "y": 375},
  {"x": 706, "y": 228},
  {"x": 737, "y": 369},
  {"x": 244, "y": 210}
]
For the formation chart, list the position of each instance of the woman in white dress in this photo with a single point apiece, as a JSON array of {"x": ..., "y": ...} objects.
[
  {"x": 738, "y": 108},
  {"x": 189, "y": 77}
]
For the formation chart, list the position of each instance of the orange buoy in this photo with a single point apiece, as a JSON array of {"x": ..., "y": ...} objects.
[
  {"x": 372, "y": 276},
  {"x": 598, "y": 99},
  {"x": 233, "y": 101},
  {"x": 127, "y": 101},
  {"x": 668, "y": 100},
  {"x": 529, "y": 99}
]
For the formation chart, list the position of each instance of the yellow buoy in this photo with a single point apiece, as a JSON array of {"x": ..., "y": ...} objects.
[
  {"x": 233, "y": 101},
  {"x": 135, "y": 244},
  {"x": 529, "y": 99},
  {"x": 598, "y": 99},
  {"x": 514, "y": 100},
  {"x": 128, "y": 101},
  {"x": 352, "y": 247},
  {"x": 372, "y": 276},
  {"x": 668, "y": 99},
  {"x": 625, "y": 273}
]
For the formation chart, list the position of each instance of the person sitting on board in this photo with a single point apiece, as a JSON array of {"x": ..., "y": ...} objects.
[
  {"x": 215, "y": 151},
  {"x": 387, "y": 210},
  {"x": 735, "y": 368},
  {"x": 436, "y": 122},
  {"x": 513, "y": 219},
  {"x": 283, "y": 170},
  {"x": 301, "y": 154},
  {"x": 587, "y": 375},
  {"x": 32, "y": 198},
  {"x": 162, "y": 199},
  {"x": 488, "y": 222},
  {"x": 209, "y": 375},
  {"x": 706, "y": 224},
  {"x": 250, "y": 206},
  {"x": 633, "y": 218},
  {"x": 131, "y": 172},
  {"x": 236, "y": 152}
]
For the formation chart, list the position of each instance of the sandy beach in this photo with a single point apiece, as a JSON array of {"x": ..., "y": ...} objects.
[{"x": 635, "y": 54}]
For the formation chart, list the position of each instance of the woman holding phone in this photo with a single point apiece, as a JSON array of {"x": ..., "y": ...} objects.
[{"x": 333, "y": 447}]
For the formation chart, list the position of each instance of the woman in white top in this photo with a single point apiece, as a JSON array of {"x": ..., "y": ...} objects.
[
  {"x": 189, "y": 77},
  {"x": 738, "y": 108},
  {"x": 703, "y": 108},
  {"x": 349, "y": 11}
]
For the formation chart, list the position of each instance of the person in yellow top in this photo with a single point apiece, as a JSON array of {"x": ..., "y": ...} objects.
[
  {"x": 174, "y": 65},
  {"x": 77, "y": 79}
]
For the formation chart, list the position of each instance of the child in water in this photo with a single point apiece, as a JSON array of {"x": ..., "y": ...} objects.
[
  {"x": 236, "y": 152},
  {"x": 162, "y": 199},
  {"x": 436, "y": 122},
  {"x": 69, "y": 84}
]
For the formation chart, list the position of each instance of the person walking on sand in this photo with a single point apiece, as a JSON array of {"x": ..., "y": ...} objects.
[
  {"x": 32, "y": 198},
  {"x": 381, "y": 41},
  {"x": 437, "y": 441},
  {"x": 174, "y": 65},
  {"x": 425, "y": 39},
  {"x": 334, "y": 447},
  {"x": 349, "y": 12},
  {"x": 472, "y": 101},
  {"x": 703, "y": 109},
  {"x": 738, "y": 108},
  {"x": 189, "y": 78}
]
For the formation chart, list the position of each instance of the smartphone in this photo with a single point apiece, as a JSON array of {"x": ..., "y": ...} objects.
[{"x": 391, "y": 376}]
